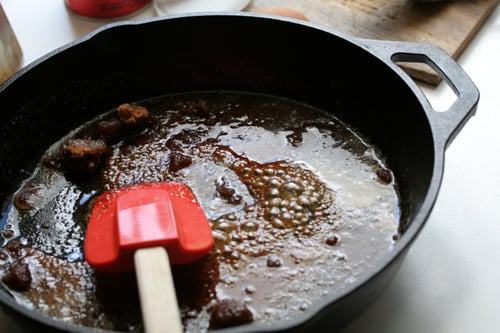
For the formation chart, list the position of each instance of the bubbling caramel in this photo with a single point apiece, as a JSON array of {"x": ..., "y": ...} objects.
[{"x": 300, "y": 206}]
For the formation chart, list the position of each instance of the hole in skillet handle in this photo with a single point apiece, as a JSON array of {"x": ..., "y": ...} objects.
[{"x": 440, "y": 95}]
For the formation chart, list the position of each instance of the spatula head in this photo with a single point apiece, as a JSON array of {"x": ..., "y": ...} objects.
[{"x": 146, "y": 215}]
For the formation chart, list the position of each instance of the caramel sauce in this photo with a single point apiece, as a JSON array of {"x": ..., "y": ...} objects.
[{"x": 300, "y": 206}]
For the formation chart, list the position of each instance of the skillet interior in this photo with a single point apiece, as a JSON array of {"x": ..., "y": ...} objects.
[{"x": 236, "y": 52}]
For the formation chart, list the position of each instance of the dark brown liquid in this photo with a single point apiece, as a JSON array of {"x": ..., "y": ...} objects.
[{"x": 295, "y": 199}]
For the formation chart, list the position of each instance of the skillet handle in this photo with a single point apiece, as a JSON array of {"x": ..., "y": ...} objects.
[{"x": 446, "y": 124}]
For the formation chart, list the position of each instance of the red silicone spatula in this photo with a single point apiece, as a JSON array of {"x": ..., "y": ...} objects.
[{"x": 147, "y": 227}]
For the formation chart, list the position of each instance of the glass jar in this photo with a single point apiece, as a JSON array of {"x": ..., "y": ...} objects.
[{"x": 11, "y": 55}]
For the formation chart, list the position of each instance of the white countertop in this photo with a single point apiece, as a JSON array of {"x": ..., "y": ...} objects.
[{"x": 450, "y": 280}]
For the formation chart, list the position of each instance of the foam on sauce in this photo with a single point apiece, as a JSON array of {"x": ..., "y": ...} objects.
[{"x": 295, "y": 199}]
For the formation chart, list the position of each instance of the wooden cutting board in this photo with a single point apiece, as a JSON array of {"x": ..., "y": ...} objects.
[{"x": 449, "y": 24}]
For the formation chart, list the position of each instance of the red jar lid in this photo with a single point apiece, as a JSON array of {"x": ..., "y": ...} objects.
[{"x": 105, "y": 8}]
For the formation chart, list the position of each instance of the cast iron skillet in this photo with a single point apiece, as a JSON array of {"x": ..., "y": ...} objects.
[{"x": 356, "y": 79}]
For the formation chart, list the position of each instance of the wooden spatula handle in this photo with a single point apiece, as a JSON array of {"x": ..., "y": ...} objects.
[{"x": 160, "y": 310}]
